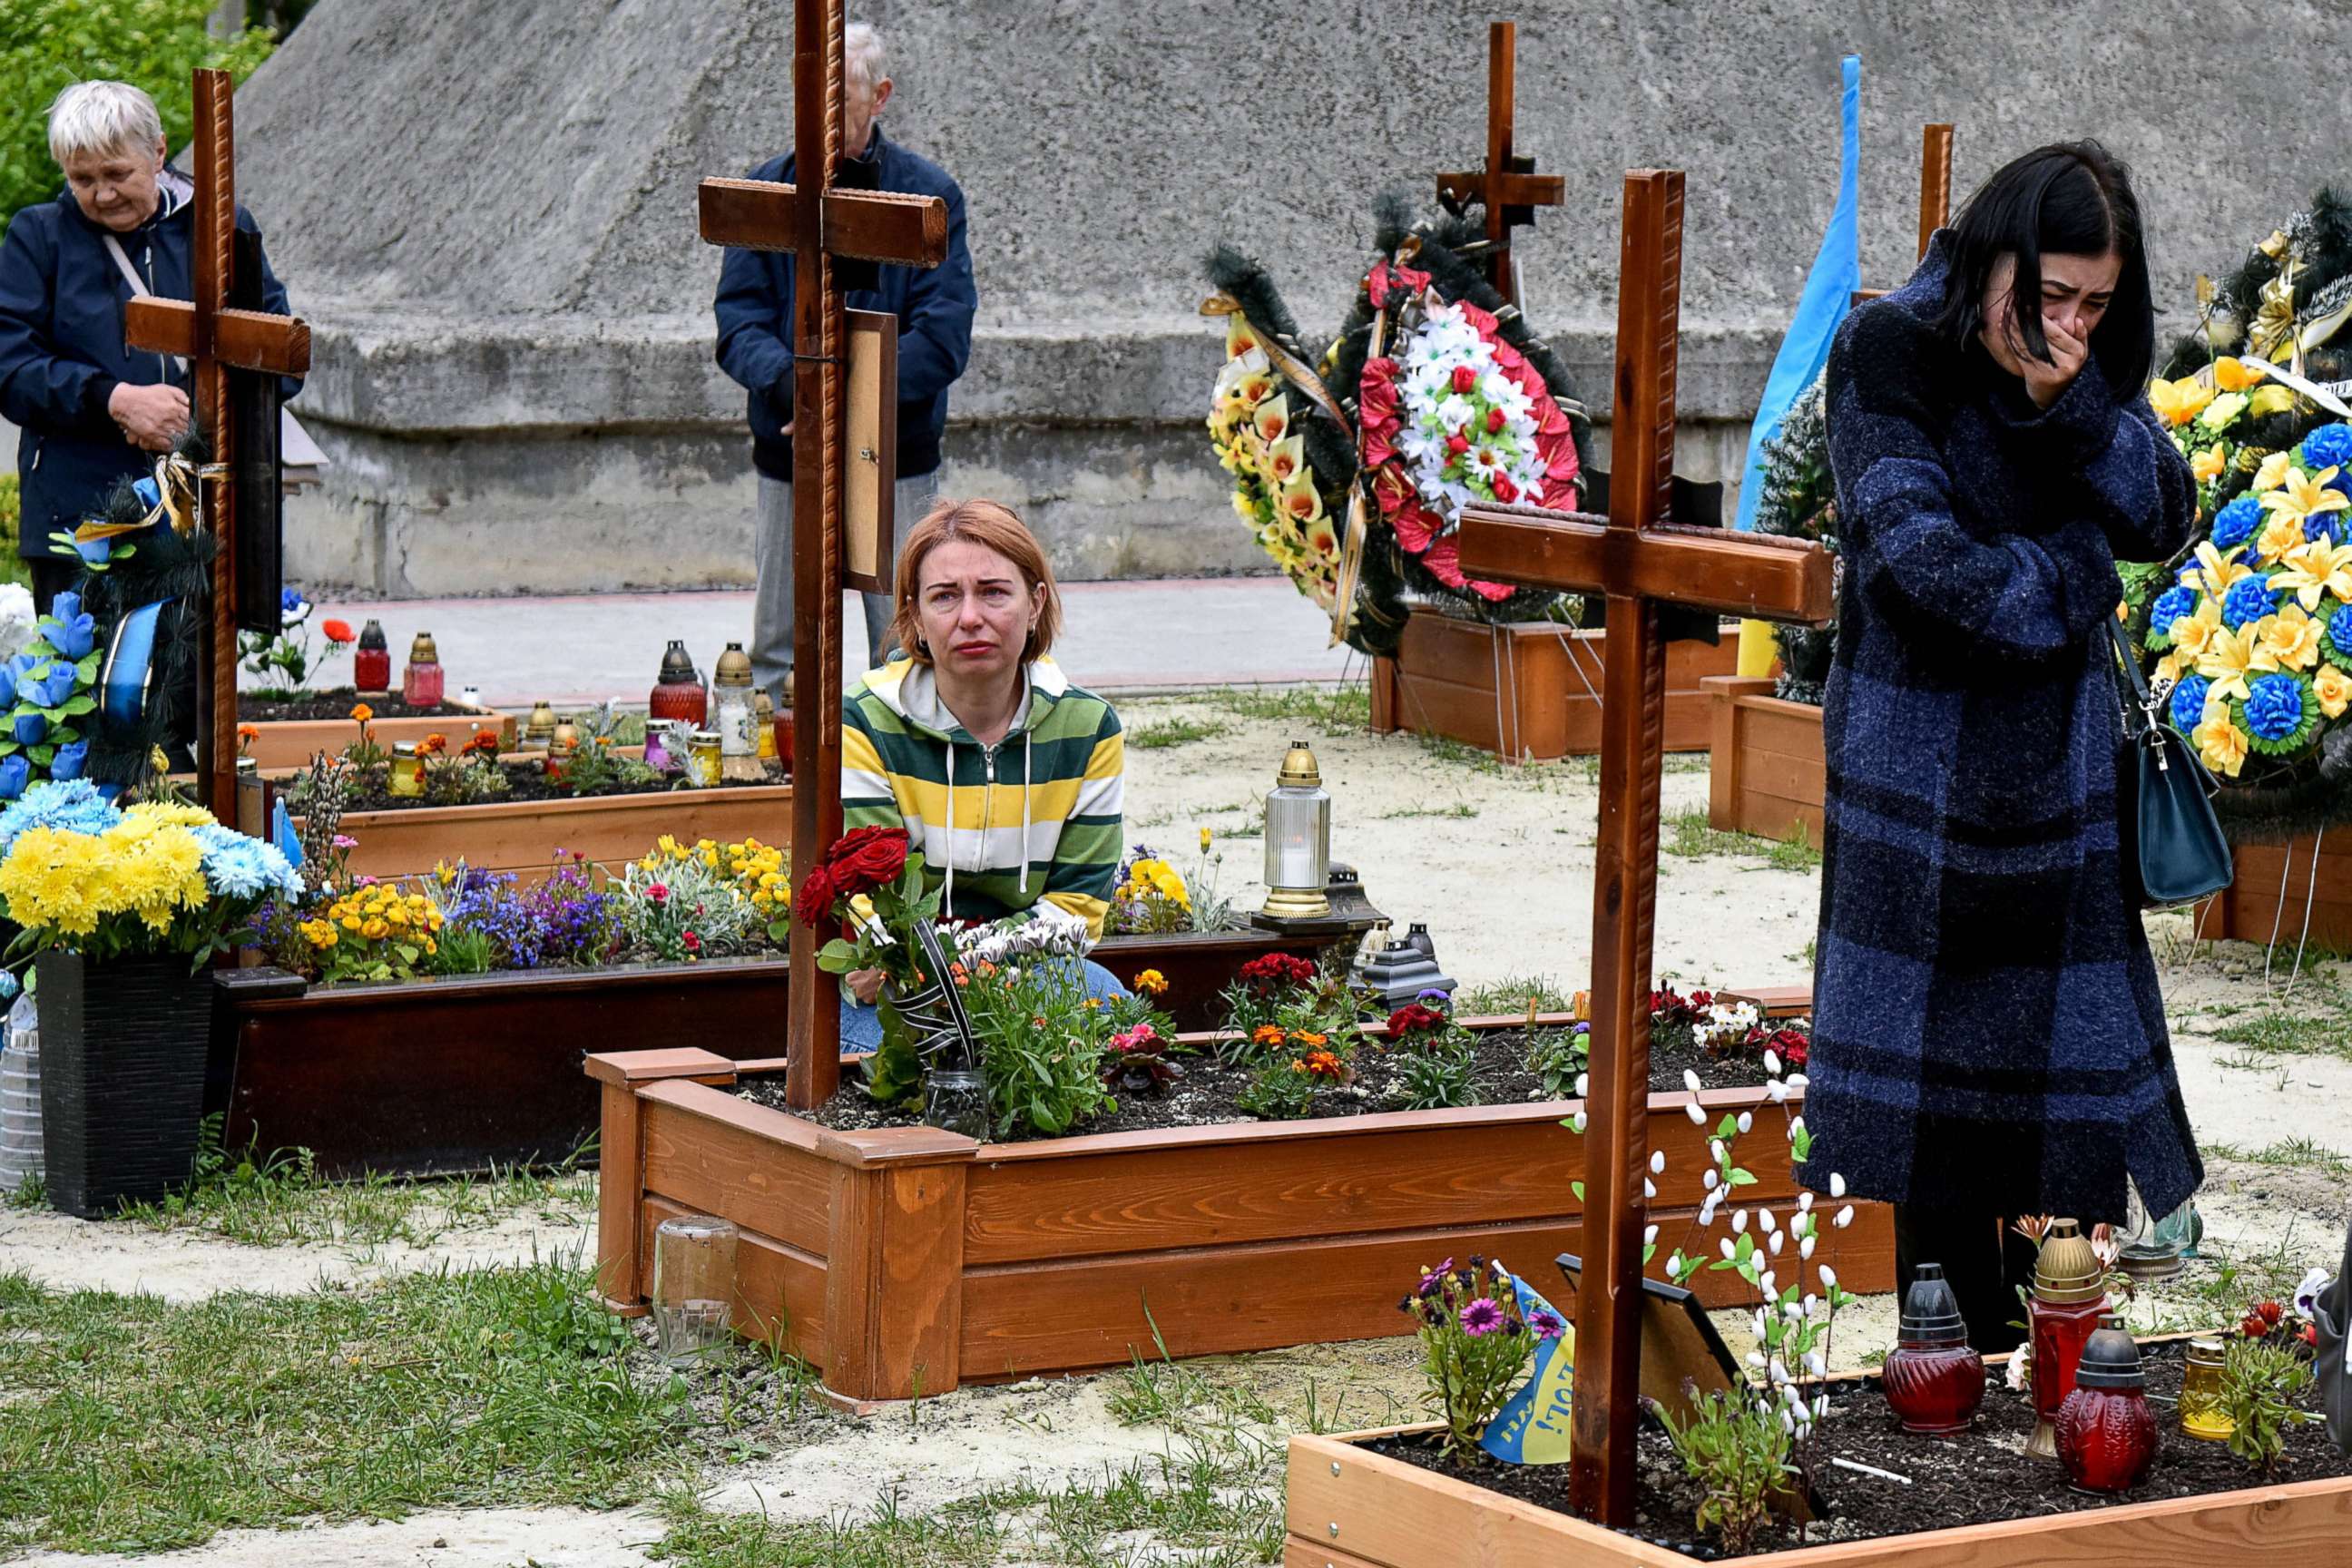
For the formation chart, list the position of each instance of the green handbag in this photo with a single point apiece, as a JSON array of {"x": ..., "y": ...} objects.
[{"x": 2168, "y": 839}]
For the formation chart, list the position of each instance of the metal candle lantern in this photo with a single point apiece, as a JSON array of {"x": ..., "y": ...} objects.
[
  {"x": 1298, "y": 840},
  {"x": 2107, "y": 1434},
  {"x": 421, "y": 684},
  {"x": 540, "y": 728},
  {"x": 371, "y": 660},
  {"x": 694, "y": 1285},
  {"x": 2069, "y": 1299},
  {"x": 1403, "y": 970}
]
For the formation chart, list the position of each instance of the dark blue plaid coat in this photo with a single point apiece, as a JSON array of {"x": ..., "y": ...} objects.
[{"x": 1988, "y": 1035}]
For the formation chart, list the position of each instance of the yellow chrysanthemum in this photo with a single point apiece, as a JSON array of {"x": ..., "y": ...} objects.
[
  {"x": 2220, "y": 743},
  {"x": 2334, "y": 689},
  {"x": 2230, "y": 658},
  {"x": 2178, "y": 402},
  {"x": 2273, "y": 473},
  {"x": 2314, "y": 568},
  {"x": 2291, "y": 638}
]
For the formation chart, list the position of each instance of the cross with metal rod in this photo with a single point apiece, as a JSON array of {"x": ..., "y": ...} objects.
[
  {"x": 222, "y": 343},
  {"x": 1638, "y": 562},
  {"x": 817, "y": 222},
  {"x": 1508, "y": 187}
]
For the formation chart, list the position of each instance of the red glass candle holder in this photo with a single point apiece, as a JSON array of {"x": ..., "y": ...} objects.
[
  {"x": 371, "y": 660},
  {"x": 678, "y": 693},
  {"x": 2068, "y": 1300},
  {"x": 1934, "y": 1382},
  {"x": 784, "y": 739},
  {"x": 2107, "y": 1436}
]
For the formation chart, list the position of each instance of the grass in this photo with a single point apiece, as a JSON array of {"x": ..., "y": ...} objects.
[
  {"x": 135, "y": 1424},
  {"x": 1692, "y": 837},
  {"x": 1335, "y": 710},
  {"x": 280, "y": 1198},
  {"x": 1460, "y": 811},
  {"x": 1510, "y": 995},
  {"x": 1165, "y": 734},
  {"x": 2297, "y": 1153}
]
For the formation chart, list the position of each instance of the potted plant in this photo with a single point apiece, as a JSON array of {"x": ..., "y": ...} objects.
[{"x": 119, "y": 910}]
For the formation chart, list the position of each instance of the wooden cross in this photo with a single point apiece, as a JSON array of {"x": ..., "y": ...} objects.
[
  {"x": 1508, "y": 186},
  {"x": 816, "y": 223},
  {"x": 1638, "y": 562},
  {"x": 218, "y": 338},
  {"x": 1935, "y": 192}
]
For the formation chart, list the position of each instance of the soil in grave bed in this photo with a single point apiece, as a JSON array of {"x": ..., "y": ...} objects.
[
  {"x": 1208, "y": 1093},
  {"x": 337, "y": 704},
  {"x": 1977, "y": 1477},
  {"x": 525, "y": 782}
]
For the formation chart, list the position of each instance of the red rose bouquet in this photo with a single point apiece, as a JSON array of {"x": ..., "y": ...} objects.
[{"x": 875, "y": 866}]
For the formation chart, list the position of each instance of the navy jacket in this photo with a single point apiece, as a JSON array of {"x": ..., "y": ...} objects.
[
  {"x": 934, "y": 309},
  {"x": 1989, "y": 1037},
  {"x": 61, "y": 353}
]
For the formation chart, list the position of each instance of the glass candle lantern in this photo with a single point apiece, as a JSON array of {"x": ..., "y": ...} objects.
[
  {"x": 2069, "y": 1299},
  {"x": 2107, "y": 1434},
  {"x": 1298, "y": 840},
  {"x": 2154, "y": 1246},
  {"x": 677, "y": 692},
  {"x": 703, "y": 760},
  {"x": 2202, "y": 1411},
  {"x": 955, "y": 1100},
  {"x": 783, "y": 729},
  {"x": 734, "y": 713},
  {"x": 407, "y": 777},
  {"x": 540, "y": 728},
  {"x": 563, "y": 745},
  {"x": 763, "y": 716},
  {"x": 371, "y": 660},
  {"x": 1934, "y": 1382},
  {"x": 694, "y": 1285},
  {"x": 421, "y": 682}
]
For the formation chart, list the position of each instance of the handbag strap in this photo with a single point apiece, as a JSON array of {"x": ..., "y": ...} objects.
[{"x": 2139, "y": 702}]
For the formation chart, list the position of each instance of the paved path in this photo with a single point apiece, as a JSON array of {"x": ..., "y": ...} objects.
[{"x": 1118, "y": 637}]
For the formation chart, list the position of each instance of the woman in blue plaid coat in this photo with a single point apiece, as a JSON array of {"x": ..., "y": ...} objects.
[{"x": 1990, "y": 1041}]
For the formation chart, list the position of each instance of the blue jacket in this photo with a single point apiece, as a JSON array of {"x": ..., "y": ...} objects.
[
  {"x": 62, "y": 355},
  {"x": 934, "y": 309},
  {"x": 1988, "y": 1033}
]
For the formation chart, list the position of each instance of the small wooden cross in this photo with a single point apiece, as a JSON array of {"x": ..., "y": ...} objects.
[
  {"x": 1508, "y": 186},
  {"x": 817, "y": 222},
  {"x": 217, "y": 339},
  {"x": 1935, "y": 192},
  {"x": 1639, "y": 562}
]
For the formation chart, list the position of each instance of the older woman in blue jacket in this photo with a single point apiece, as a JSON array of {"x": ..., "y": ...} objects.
[{"x": 90, "y": 409}]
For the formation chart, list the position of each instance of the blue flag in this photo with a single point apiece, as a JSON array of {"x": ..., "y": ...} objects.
[
  {"x": 1829, "y": 294},
  {"x": 1531, "y": 1428}
]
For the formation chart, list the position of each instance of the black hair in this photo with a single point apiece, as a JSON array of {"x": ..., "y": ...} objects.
[{"x": 2070, "y": 199}]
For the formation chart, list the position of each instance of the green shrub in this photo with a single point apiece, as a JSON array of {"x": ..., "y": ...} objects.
[
  {"x": 1734, "y": 1446},
  {"x": 46, "y": 46},
  {"x": 2259, "y": 1384}
]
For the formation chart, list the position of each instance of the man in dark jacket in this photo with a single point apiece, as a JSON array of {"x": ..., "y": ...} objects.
[
  {"x": 755, "y": 346},
  {"x": 88, "y": 409}
]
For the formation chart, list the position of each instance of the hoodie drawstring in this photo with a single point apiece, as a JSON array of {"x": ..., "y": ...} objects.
[
  {"x": 1024, "y": 813},
  {"x": 947, "y": 899}
]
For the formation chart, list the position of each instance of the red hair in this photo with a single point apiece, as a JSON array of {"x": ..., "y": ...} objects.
[{"x": 994, "y": 526}]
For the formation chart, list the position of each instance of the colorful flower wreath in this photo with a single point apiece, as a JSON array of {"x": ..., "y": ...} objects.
[{"x": 1275, "y": 490}]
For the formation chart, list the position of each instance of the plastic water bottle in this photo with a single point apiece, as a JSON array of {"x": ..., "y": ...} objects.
[{"x": 20, "y": 1097}]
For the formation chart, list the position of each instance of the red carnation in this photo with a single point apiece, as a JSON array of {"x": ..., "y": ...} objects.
[
  {"x": 865, "y": 858},
  {"x": 1412, "y": 1019},
  {"x": 2269, "y": 1312},
  {"x": 1273, "y": 970},
  {"x": 337, "y": 631}
]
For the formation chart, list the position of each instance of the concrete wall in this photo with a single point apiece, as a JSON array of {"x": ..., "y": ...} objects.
[{"x": 485, "y": 209}]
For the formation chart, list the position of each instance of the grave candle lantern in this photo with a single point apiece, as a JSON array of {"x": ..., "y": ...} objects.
[
  {"x": 763, "y": 715},
  {"x": 2107, "y": 1435},
  {"x": 540, "y": 728},
  {"x": 420, "y": 683},
  {"x": 372, "y": 661},
  {"x": 407, "y": 778},
  {"x": 735, "y": 715},
  {"x": 1934, "y": 1380},
  {"x": 1298, "y": 840},
  {"x": 694, "y": 1285},
  {"x": 2202, "y": 1412},
  {"x": 2069, "y": 1299},
  {"x": 563, "y": 743},
  {"x": 677, "y": 691}
]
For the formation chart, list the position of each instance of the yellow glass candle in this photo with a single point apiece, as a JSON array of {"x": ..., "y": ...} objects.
[
  {"x": 407, "y": 770},
  {"x": 2202, "y": 1415}
]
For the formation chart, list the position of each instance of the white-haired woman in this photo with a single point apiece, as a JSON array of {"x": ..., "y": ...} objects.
[{"x": 90, "y": 409}]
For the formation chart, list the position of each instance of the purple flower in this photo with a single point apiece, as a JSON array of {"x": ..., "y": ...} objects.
[
  {"x": 1433, "y": 1280},
  {"x": 1481, "y": 1317},
  {"x": 1547, "y": 1323}
]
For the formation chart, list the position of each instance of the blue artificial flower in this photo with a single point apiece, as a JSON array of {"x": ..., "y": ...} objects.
[
  {"x": 70, "y": 632},
  {"x": 2339, "y": 628},
  {"x": 13, "y": 774},
  {"x": 289, "y": 601},
  {"x": 67, "y": 763},
  {"x": 2189, "y": 702},
  {"x": 2329, "y": 446},
  {"x": 2274, "y": 707},
  {"x": 9, "y": 984},
  {"x": 236, "y": 866},
  {"x": 2235, "y": 523},
  {"x": 2324, "y": 525},
  {"x": 2170, "y": 605},
  {"x": 50, "y": 686},
  {"x": 2249, "y": 599},
  {"x": 30, "y": 729},
  {"x": 94, "y": 551},
  {"x": 69, "y": 807}
]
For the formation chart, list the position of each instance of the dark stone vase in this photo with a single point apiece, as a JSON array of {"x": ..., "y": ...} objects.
[{"x": 123, "y": 1078}]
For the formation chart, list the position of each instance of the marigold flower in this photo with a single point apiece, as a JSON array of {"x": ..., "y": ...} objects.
[
  {"x": 1152, "y": 983},
  {"x": 248, "y": 733},
  {"x": 1267, "y": 1035},
  {"x": 1309, "y": 1037},
  {"x": 361, "y": 713}
]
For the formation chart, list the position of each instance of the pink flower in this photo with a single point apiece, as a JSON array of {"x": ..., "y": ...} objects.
[
  {"x": 1481, "y": 1317},
  {"x": 658, "y": 892},
  {"x": 345, "y": 841},
  {"x": 693, "y": 942}
]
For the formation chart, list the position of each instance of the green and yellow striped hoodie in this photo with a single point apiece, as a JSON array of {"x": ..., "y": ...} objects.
[{"x": 1038, "y": 816}]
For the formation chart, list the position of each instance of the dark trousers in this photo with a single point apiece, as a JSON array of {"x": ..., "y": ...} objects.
[
  {"x": 1984, "y": 1259},
  {"x": 51, "y": 576}
]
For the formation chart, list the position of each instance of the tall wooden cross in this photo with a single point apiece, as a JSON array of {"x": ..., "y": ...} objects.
[
  {"x": 218, "y": 338},
  {"x": 818, "y": 223},
  {"x": 1508, "y": 186},
  {"x": 1935, "y": 192},
  {"x": 1639, "y": 562}
]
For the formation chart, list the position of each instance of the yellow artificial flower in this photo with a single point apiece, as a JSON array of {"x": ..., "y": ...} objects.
[
  {"x": 2291, "y": 638},
  {"x": 2300, "y": 495},
  {"x": 2334, "y": 689},
  {"x": 376, "y": 930},
  {"x": 351, "y": 922},
  {"x": 2280, "y": 533},
  {"x": 2265, "y": 401},
  {"x": 2172, "y": 667},
  {"x": 2207, "y": 463},
  {"x": 2222, "y": 412},
  {"x": 2232, "y": 374},
  {"x": 1272, "y": 420},
  {"x": 1286, "y": 460},
  {"x": 2213, "y": 574},
  {"x": 2230, "y": 658},
  {"x": 2313, "y": 568},
  {"x": 2273, "y": 473},
  {"x": 2178, "y": 402},
  {"x": 2220, "y": 743}
]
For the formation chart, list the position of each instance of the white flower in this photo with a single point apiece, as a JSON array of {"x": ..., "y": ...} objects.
[
  {"x": 1777, "y": 1091},
  {"x": 1820, "y": 1405},
  {"x": 1844, "y": 1218},
  {"x": 1730, "y": 1249},
  {"x": 1758, "y": 1323},
  {"x": 2307, "y": 1294},
  {"x": 1778, "y": 1373},
  {"x": 1774, "y": 1241},
  {"x": 1837, "y": 1183},
  {"x": 1747, "y": 1121},
  {"x": 1787, "y": 1424},
  {"x": 1797, "y": 1080},
  {"x": 1581, "y": 1079},
  {"x": 1829, "y": 1277},
  {"x": 1805, "y": 1249},
  {"x": 1796, "y": 1125},
  {"x": 1739, "y": 1222},
  {"x": 1804, "y": 1203},
  {"x": 1764, "y": 1217},
  {"x": 1579, "y": 1120},
  {"x": 1658, "y": 1161},
  {"x": 1791, "y": 1311},
  {"x": 1706, "y": 1211},
  {"x": 1766, "y": 1282},
  {"x": 2020, "y": 1373},
  {"x": 1698, "y": 1117},
  {"x": 1772, "y": 1066},
  {"x": 1809, "y": 1301},
  {"x": 1649, "y": 1188},
  {"x": 1715, "y": 1150},
  {"x": 1755, "y": 1360},
  {"x": 1815, "y": 1364},
  {"x": 1690, "y": 1080},
  {"x": 1706, "y": 1179}
]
